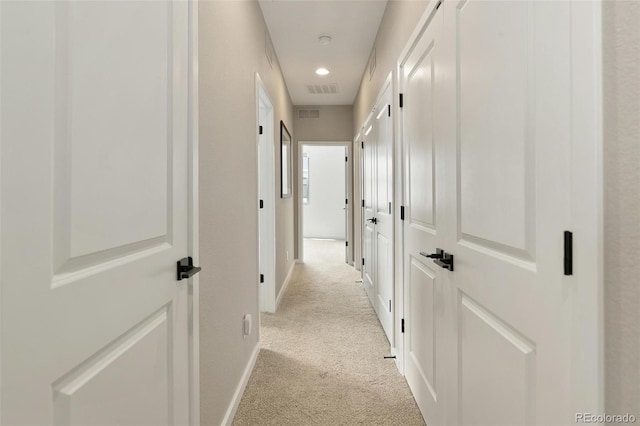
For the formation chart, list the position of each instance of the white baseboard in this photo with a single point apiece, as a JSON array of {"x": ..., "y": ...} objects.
[
  {"x": 237, "y": 396},
  {"x": 285, "y": 285}
]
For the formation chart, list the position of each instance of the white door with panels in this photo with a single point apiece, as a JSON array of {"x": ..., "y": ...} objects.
[
  {"x": 95, "y": 213},
  {"x": 368, "y": 148},
  {"x": 424, "y": 223},
  {"x": 508, "y": 123},
  {"x": 383, "y": 223},
  {"x": 491, "y": 127},
  {"x": 378, "y": 217}
]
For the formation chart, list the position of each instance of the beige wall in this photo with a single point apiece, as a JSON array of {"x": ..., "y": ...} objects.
[
  {"x": 621, "y": 55},
  {"x": 398, "y": 22},
  {"x": 231, "y": 51},
  {"x": 334, "y": 124}
]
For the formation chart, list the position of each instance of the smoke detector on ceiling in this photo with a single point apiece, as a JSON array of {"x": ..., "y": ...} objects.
[{"x": 324, "y": 39}]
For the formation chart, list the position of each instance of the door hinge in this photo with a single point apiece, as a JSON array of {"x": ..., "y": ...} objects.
[
  {"x": 389, "y": 305},
  {"x": 362, "y": 203},
  {"x": 389, "y": 207},
  {"x": 261, "y": 278},
  {"x": 346, "y": 159},
  {"x": 262, "y": 204},
  {"x": 363, "y": 261},
  {"x": 362, "y": 144},
  {"x": 401, "y": 212},
  {"x": 346, "y": 243},
  {"x": 401, "y": 100},
  {"x": 389, "y": 110},
  {"x": 568, "y": 253},
  {"x": 346, "y": 201},
  {"x": 260, "y": 129},
  {"x": 402, "y": 325}
]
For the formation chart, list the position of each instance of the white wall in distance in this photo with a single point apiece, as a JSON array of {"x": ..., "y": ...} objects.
[
  {"x": 324, "y": 215},
  {"x": 334, "y": 124}
]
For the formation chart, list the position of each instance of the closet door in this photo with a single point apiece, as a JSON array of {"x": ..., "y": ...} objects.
[
  {"x": 368, "y": 148},
  {"x": 383, "y": 227},
  {"x": 508, "y": 116},
  {"x": 424, "y": 223}
]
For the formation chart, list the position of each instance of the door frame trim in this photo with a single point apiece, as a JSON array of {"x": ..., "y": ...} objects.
[
  {"x": 267, "y": 291},
  {"x": 193, "y": 215},
  {"x": 587, "y": 206},
  {"x": 350, "y": 193}
]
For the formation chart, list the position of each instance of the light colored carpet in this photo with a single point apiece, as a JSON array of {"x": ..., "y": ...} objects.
[{"x": 321, "y": 361}]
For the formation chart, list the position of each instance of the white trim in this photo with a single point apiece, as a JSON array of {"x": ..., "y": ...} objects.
[
  {"x": 349, "y": 195},
  {"x": 193, "y": 214},
  {"x": 285, "y": 284},
  {"x": 237, "y": 396},
  {"x": 357, "y": 200},
  {"x": 266, "y": 251},
  {"x": 1, "y": 369},
  {"x": 587, "y": 207}
]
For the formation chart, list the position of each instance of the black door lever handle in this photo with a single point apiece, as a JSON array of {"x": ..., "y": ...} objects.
[
  {"x": 373, "y": 220},
  {"x": 446, "y": 262},
  {"x": 439, "y": 254},
  {"x": 186, "y": 269}
]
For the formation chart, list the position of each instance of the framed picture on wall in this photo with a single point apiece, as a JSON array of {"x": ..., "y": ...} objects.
[{"x": 285, "y": 162}]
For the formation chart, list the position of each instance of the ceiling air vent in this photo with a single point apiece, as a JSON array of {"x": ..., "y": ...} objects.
[
  {"x": 308, "y": 113},
  {"x": 322, "y": 89}
]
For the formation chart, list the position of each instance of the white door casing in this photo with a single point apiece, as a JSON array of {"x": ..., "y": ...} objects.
[
  {"x": 95, "y": 195},
  {"x": 358, "y": 196},
  {"x": 347, "y": 206},
  {"x": 266, "y": 187}
]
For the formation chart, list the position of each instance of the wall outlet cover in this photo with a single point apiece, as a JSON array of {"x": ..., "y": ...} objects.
[{"x": 246, "y": 325}]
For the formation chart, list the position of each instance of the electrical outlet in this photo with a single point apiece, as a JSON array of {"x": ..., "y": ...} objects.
[{"x": 246, "y": 325}]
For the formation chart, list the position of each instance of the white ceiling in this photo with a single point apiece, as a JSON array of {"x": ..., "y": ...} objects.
[{"x": 295, "y": 26}]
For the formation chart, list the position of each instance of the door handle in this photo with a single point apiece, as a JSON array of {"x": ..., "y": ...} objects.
[
  {"x": 446, "y": 262},
  {"x": 442, "y": 259},
  {"x": 186, "y": 269},
  {"x": 373, "y": 220},
  {"x": 439, "y": 254}
]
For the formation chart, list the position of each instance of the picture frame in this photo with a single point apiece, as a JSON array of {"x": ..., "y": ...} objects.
[{"x": 285, "y": 162}]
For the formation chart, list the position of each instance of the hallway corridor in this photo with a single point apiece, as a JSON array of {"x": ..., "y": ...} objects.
[{"x": 321, "y": 360}]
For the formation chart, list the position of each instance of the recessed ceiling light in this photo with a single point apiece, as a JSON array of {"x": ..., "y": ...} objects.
[
  {"x": 322, "y": 71},
  {"x": 324, "y": 39}
]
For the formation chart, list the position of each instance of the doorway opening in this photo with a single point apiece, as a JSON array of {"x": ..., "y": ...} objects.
[{"x": 325, "y": 187}]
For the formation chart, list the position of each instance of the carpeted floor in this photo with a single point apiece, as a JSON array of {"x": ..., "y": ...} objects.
[{"x": 321, "y": 361}]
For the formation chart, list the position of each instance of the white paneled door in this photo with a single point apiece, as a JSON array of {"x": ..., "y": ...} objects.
[
  {"x": 95, "y": 184},
  {"x": 489, "y": 120},
  {"x": 368, "y": 147},
  {"x": 425, "y": 223},
  {"x": 508, "y": 121},
  {"x": 378, "y": 198},
  {"x": 383, "y": 226}
]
